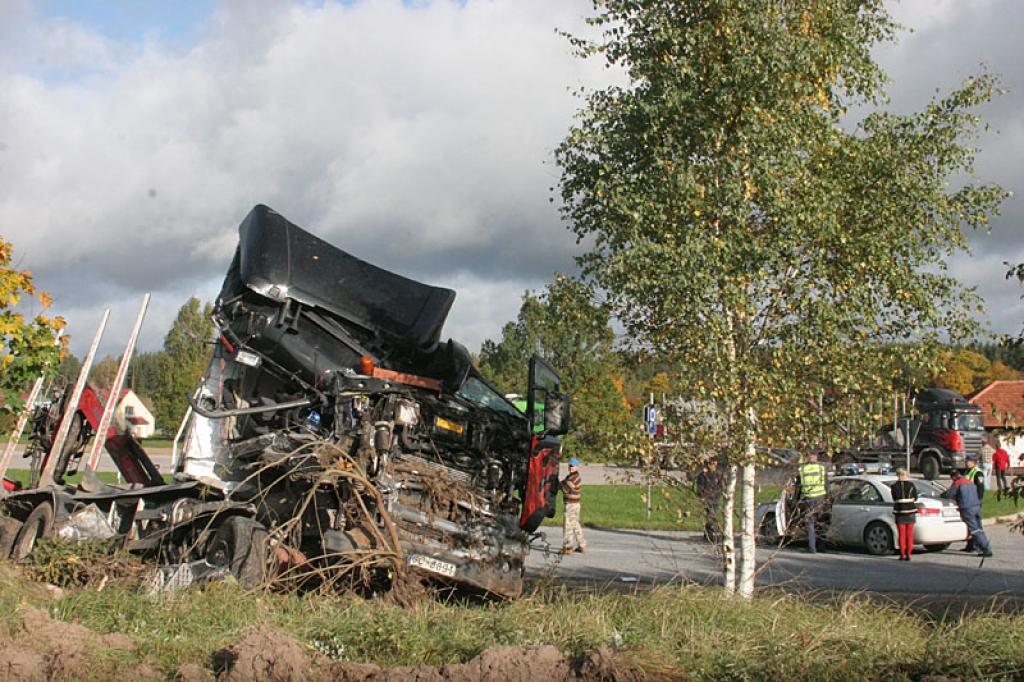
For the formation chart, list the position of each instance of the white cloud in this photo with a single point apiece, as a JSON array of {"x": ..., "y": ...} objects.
[{"x": 413, "y": 136}]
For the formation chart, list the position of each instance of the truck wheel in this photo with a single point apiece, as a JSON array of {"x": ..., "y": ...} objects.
[
  {"x": 8, "y": 534},
  {"x": 38, "y": 525},
  {"x": 878, "y": 539},
  {"x": 930, "y": 467},
  {"x": 240, "y": 545}
]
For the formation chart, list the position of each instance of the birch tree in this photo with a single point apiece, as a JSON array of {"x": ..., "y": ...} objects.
[{"x": 746, "y": 226}]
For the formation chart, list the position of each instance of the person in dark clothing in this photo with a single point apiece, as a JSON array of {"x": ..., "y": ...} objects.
[
  {"x": 976, "y": 476},
  {"x": 708, "y": 483},
  {"x": 966, "y": 495},
  {"x": 904, "y": 508}
]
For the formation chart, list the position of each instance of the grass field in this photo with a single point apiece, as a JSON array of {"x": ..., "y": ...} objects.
[
  {"x": 625, "y": 506},
  {"x": 679, "y": 632}
]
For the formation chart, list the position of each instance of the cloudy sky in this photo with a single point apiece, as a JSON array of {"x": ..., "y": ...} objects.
[{"x": 135, "y": 135}]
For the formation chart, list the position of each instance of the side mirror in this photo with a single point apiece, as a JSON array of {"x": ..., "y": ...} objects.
[{"x": 557, "y": 413}]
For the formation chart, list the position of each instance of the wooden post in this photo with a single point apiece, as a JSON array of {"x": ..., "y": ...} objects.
[
  {"x": 115, "y": 390},
  {"x": 46, "y": 477}
]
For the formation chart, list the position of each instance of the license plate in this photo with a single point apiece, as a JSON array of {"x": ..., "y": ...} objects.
[
  {"x": 950, "y": 511},
  {"x": 433, "y": 565}
]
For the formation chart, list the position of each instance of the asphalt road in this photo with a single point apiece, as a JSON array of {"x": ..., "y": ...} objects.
[{"x": 617, "y": 557}]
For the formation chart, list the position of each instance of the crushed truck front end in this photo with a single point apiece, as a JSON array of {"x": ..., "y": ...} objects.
[{"x": 333, "y": 411}]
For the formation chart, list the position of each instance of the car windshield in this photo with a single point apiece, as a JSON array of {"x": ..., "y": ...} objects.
[
  {"x": 476, "y": 391},
  {"x": 928, "y": 488}
]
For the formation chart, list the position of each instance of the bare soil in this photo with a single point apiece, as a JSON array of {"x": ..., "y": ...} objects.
[
  {"x": 268, "y": 656},
  {"x": 43, "y": 649}
]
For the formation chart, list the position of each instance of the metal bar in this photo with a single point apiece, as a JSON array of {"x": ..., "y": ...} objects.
[
  {"x": 181, "y": 429},
  {"x": 46, "y": 477},
  {"x": 19, "y": 429},
  {"x": 115, "y": 390}
]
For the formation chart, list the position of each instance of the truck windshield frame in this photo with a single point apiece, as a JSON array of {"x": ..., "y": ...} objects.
[{"x": 479, "y": 391}]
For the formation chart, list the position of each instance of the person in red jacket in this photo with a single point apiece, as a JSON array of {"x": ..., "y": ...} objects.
[{"x": 1001, "y": 462}]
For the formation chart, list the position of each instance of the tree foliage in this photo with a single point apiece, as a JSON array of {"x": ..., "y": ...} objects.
[
  {"x": 966, "y": 371},
  {"x": 569, "y": 330},
  {"x": 28, "y": 339},
  {"x": 747, "y": 229},
  {"x": 744, "y": 228},
  {"x": 185, "y": 355}
]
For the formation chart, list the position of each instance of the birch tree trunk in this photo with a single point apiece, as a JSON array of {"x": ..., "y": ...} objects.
[
  {"x": 747, "y": 545},
  {"x": 728, "y": 543}
]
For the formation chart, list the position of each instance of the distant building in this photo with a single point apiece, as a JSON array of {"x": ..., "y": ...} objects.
[
  {"x": 132, "y": 415},
  {"x": 1002, "y": 403}
]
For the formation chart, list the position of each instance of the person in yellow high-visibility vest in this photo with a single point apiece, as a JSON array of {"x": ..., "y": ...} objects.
[{"x": 811, "y": 485}]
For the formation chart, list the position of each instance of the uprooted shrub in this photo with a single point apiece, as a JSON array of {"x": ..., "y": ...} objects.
[{"x": 82, "y": 563}]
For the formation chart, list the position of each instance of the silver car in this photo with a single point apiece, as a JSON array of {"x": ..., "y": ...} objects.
[{"x": 858, "y": 513}]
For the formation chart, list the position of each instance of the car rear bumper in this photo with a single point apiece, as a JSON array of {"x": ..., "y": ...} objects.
[{"x": 939, "y": 531}]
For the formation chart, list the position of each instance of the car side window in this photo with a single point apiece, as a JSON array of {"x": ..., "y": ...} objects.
[
  {"x": 847, "y": 491},
  {"x": 859, "y": 492}
]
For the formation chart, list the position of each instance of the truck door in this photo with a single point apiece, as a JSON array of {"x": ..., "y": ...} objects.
[{"x": 548, "y": 414}]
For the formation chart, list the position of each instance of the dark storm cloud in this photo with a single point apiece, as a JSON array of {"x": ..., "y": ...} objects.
[{"x": 952, "y": 41}]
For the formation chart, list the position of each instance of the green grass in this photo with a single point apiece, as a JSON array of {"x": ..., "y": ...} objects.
[
  {"x": 990, "y": 506},
  {"x": 625, "y": 506},
  {"x": 22, "y": 475},
  {"x": 166, "y": 443},
  {"x": 694, "y": 630}
]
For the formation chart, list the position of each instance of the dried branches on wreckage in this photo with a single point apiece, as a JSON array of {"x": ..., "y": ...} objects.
[{"x": 287, "y": 567}]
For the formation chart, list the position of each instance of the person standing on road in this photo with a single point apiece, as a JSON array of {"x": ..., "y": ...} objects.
[
  {"x": 1000, "y": 463},
  {"x": 966, "y": 495},
  {"x": 977, "y": 477},
  {"x": 810, "y": 490},
  {"x": 985, "y": 458},
  {"x": 708, "y": 483},
  {"x": 572, "y": 531},
  {"x": 904, "y": 508}
]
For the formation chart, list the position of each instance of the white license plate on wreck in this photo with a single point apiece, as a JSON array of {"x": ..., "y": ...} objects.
[{"x": 433, "y": 565}]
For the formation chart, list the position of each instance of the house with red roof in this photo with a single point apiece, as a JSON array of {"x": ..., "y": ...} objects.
[
  {"x": 131, "y": 414},
  {"x": 1002, "y": 403}
]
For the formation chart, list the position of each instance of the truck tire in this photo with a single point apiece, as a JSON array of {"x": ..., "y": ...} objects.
[
  {"x": 8, "y": 534},
  {"x": 931, "y": 467},
  {"x": 878, "y": 539},
  {"x": 240, "y": 545},
  {"x": 38, "y": 524}
]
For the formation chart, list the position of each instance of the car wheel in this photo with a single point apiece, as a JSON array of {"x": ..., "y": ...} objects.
[
  {"x": 930, "y": 467},
  {"x": 878, "y": 539},
  {"x": 769, "y": 534},
  {"x": 937, "y": 548},
  {"x": 38, "y": 525},
  {"x": 240, "y": 545}
]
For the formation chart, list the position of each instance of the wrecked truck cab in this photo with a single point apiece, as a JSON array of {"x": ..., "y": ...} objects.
[{"x": 332, "y": 410}]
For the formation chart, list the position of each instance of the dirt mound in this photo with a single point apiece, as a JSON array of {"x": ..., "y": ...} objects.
[
  {"x": 268, "y": 656},
  {"x": 44, "y": 649}
]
